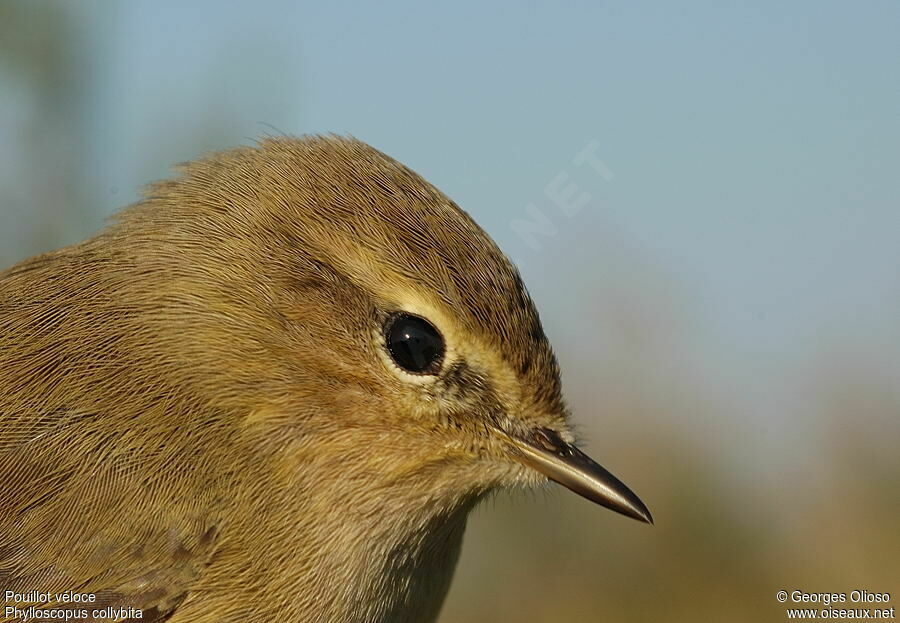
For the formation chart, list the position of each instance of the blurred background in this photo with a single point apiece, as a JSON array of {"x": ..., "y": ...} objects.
[{"x": 703, "y": 198}]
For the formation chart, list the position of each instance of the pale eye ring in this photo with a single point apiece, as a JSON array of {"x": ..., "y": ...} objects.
[{"x": 414, "y": 344}]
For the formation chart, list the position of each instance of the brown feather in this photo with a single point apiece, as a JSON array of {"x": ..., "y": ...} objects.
[{"x": 197, "y": 417}]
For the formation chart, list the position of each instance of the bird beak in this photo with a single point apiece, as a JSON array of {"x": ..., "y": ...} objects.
[{"x": 545, "y": 451}]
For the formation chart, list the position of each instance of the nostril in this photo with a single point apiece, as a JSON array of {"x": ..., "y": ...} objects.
[{"x": 550, "y": 441}]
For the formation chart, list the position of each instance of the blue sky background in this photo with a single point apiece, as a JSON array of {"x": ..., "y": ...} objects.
[
  {"x": 753, "y": 202},
  {"x": 733, "y": 283}
]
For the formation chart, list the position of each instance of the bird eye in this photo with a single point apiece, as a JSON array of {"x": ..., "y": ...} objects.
[{"x": 414, "y": 344}]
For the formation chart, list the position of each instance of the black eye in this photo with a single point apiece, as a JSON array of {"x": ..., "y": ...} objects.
[{"x": 414, "y": 344}]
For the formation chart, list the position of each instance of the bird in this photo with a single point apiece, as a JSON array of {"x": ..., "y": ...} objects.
[{"x": 272, "y": 389}]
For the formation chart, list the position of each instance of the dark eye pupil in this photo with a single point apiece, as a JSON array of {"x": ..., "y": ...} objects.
[{"x": 415, "y": 345}]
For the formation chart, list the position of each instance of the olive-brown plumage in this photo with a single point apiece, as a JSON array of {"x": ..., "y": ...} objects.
[{"x": 201, "y": 415}]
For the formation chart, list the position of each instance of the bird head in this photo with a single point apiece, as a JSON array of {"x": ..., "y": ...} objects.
[{"x": 326, "y": 292}]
